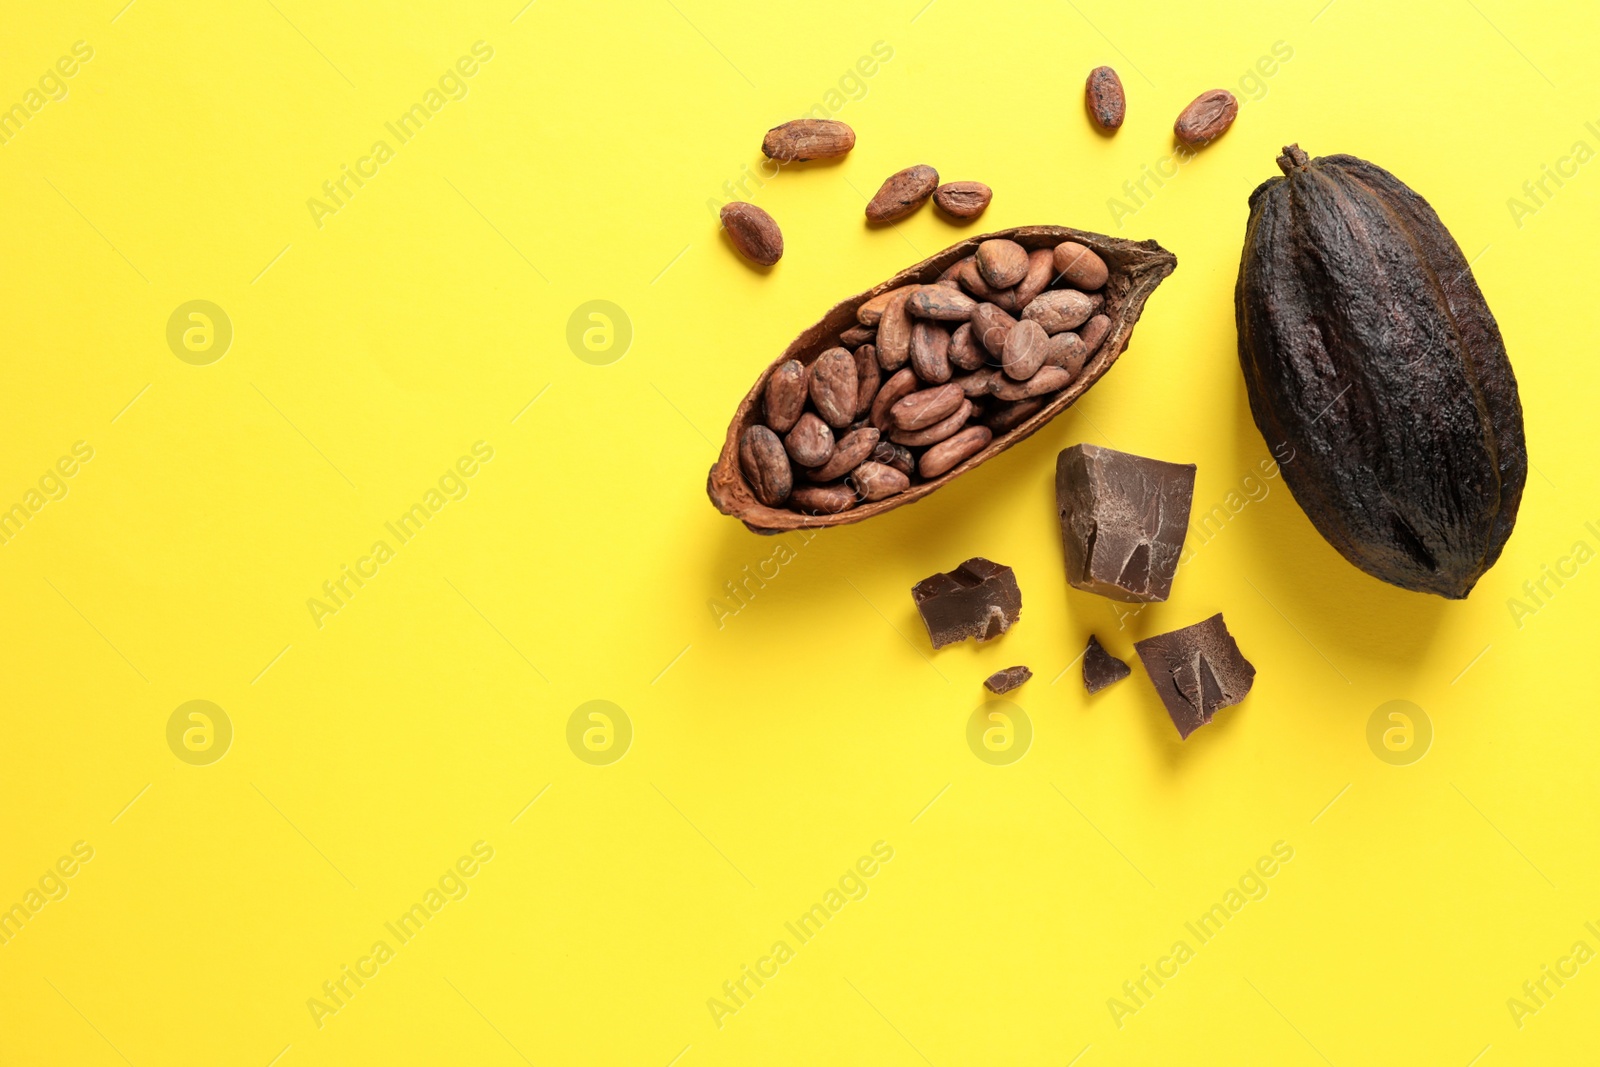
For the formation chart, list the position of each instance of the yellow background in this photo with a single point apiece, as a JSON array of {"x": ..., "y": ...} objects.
[{"x": 771, "y": 751}]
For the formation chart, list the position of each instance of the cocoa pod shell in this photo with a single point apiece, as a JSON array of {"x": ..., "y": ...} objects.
[
  {"x": 1377, "y": 375},
  {"x": 1136, "y": 269}
]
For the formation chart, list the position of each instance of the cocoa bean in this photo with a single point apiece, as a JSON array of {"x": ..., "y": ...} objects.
[
  {"x": 926, "y": 407},
  {"x": 868, "y": 377},
  {"x": 822, "y": 499},
  {"x": 973, "y": 282},
  {"x": 1103, "y": 93},
  {"x": 856, "y": 336},
  {"x": 875, "y": 481},
  {"x": 1067, "y": 351},
  {"x": 765, "y": 465},
  {"x": 810, "y": 443},
  {"x": 953, "y": 451},
  {"x": 897, "y": 456},
  {"x": 1041, "y": 269},
  {"x": 929, "y": 435},
  {"x": 1207, "y": 118},
  {"x": 979, "y": 384},
  {"x": 1024, "y": 351},
  {"x": 965, "y": 352},
  {"x": 963, "y": 200},
  {"x": 754, "y": 233},
  {"x": 1002, "y": 263},
  {"x": 785, "y": 396},
  {"x": 1093, "y": 333},
  {"x": 870, "y": 312},
  {"x": 848, "y": 453},
  {"x": 1080, "y": 267},
  {"x": 991, "y": 326},
  {"x": 902, "y": 383},
  {"x": 941, "y": 302},
  {"x": 1059, "y": 309},
  {"x": 833, "y": 386},
  {"x": 930, "y": 351},
  {"x": 902, "y": 193},
  {"x": 805, "y": 139},
  {"x": 1045, "y": 380},
  {"x": 894, "y": 331},
  {"x": 1009, "y": 416}
]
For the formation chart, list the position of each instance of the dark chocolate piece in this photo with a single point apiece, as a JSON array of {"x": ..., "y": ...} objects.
[
  {"x": 1101, "y": 668},
  {"x": 978, "y": 599},
  {"x": 1004, "y": 681},
  {"x": 1123, "y": 518},
  {"x": 1196, "y": 671}
]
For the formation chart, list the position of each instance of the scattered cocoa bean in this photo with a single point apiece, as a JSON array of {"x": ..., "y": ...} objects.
[
  {"x": 754, "y": 233},
  {"x": 963, "y": 200},
  {"x": 805, "y": 139},
  {"x": 1105, "y": 98},
  {"x": 902, "y": 193},
  {"x": 1207, "y": 118}
]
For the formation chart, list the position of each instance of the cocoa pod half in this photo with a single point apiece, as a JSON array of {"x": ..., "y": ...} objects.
[
  {"x": 1377, "y": 374},
  {"x": 1135, "y": 269}
]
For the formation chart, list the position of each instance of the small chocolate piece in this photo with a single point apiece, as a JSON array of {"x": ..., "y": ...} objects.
[
  {"x": 1196, "y": 671},
  {"x": 1005, "y": 681},
  {"x": 1101, "y": 668},
  {"x": 978, "y": 599},
  {"x": 1123, "y": 519}
]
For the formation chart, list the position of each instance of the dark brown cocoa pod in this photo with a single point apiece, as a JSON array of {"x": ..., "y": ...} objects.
[
  {"x": 1377, "y": 374},
  {"x": 1106, "y": 101}
]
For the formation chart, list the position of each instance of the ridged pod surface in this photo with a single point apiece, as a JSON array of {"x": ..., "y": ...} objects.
[{"x": 1377, "y": 373}]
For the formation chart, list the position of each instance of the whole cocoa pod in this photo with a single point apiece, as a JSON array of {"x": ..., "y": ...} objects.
[{"x": 1377, "y": 374}]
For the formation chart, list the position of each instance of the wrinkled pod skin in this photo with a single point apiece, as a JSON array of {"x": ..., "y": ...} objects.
[{"x": 1377, "y": 374}]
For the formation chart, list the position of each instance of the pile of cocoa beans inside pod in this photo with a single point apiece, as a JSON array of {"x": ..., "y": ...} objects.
[{"x": 928, "y": 376}]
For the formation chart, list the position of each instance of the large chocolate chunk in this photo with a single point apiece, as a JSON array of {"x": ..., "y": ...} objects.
[
  {"x": 1123, "y": 518},
  {"x": 1196, "y": 671},
  {"x": 1004, "y": 681},
  {"x": 978, "y": 599},
  {"x": 1101, "y": 668}
]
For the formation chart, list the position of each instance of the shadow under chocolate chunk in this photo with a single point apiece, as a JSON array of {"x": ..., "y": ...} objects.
[
  {"x": 1196, "y": 671},
  {"x": 1101, "y": 668},
  {"x": 1123, "y": 519},
  {"x": 978, "y": 599}
]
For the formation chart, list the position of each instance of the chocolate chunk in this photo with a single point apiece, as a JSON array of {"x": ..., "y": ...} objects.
[
  {"x": 1005, "y": 681},
  {"x": 1123, "y": 518},
  {"x": 1196, "y": 671},
  {"x": 1101, "y": 668},
  {"x": 978, "y": 599}
]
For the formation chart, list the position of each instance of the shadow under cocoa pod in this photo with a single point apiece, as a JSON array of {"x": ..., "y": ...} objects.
[{"x": 1135, "y": 269}]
